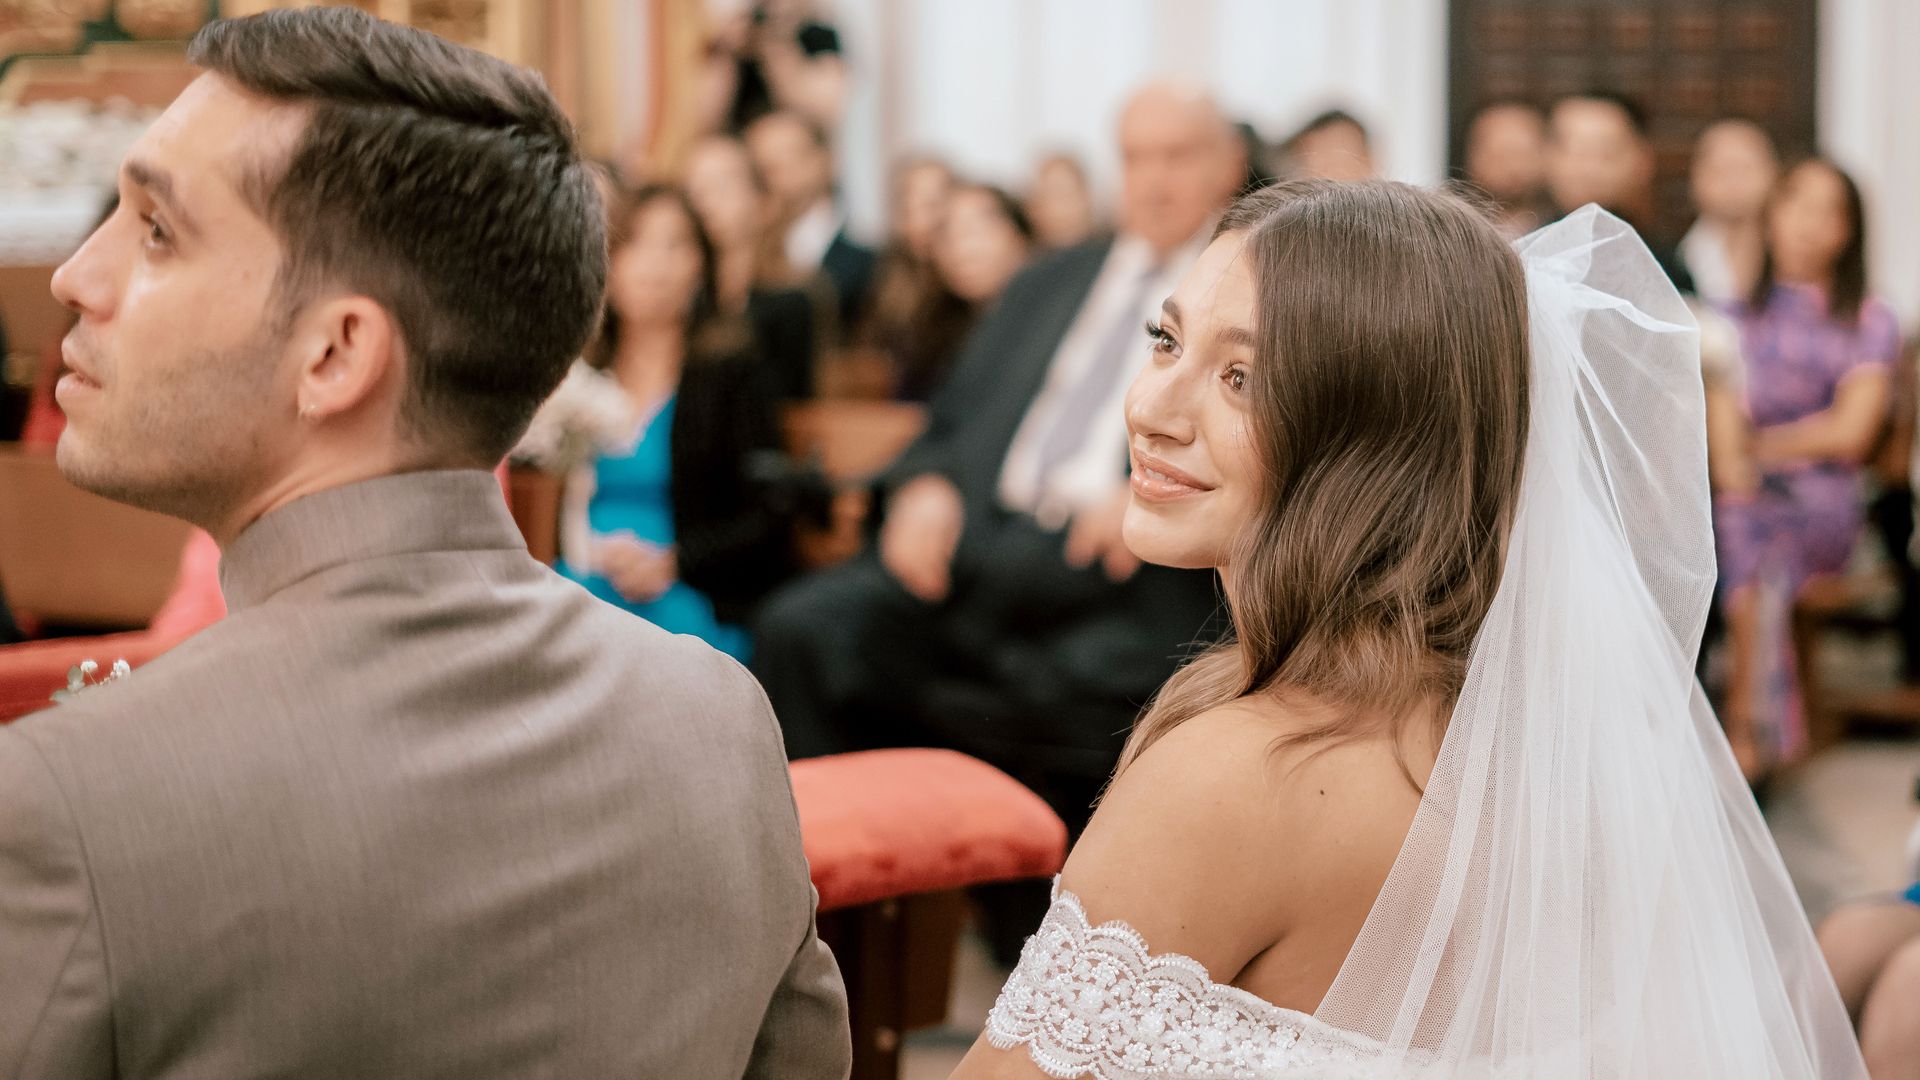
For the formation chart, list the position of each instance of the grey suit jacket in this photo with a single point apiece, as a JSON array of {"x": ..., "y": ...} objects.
[{"x": 417, "y": 807}]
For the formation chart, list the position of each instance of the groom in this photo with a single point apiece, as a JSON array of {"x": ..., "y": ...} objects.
[{"x": 416, "y": 807}]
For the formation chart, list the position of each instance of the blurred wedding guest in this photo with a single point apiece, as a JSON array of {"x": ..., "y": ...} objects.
[
  {"x": 726, "y": 188},
  {"x": 795, "y": 155},
  {"x": 984, "y": 240},
  {"x": 1819, "y": 353},
  {"x": 1506, "y": 162},
  {"x": 768, "y": 55},
  {"x": 416, "y": 806},
  {"x": 1598, "y": 152},
  {"x": 922, "y": 191},
  {"x": 1060, "y": 203},
  {"x": 999, "y": 562},
  {"x": 1331, "y": 146},
  {"x": 914, "y": 316},
  {"x": 1872, "y": 946},
  {"x": 1735, "y": 164},
  {"x": 1261, "y": 169},
  {"x": 665, "y": 517}
]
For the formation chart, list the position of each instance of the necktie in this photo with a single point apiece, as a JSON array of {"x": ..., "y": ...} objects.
[{"x": 1082, "y": 400}]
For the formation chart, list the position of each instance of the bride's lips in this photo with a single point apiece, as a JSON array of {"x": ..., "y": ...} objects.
[{"x": 1157, "y": 481}]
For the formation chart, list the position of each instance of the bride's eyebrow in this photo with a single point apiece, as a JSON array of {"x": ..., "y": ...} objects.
[
  {"x": 1237, "y": 335},
  {"x": 1170, "y": 311}
]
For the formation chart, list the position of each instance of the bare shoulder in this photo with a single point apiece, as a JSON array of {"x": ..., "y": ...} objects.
[{"x": 1221, "y": 837}]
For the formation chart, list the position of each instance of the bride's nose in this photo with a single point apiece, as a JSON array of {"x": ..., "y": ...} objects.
[{"x": 1160, "y": 404}]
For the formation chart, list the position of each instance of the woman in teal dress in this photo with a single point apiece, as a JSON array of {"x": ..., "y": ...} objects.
[{"x": 673, "y": 520}]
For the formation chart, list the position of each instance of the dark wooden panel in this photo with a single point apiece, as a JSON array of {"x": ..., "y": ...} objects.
[{"x": 1688, "y": 61}]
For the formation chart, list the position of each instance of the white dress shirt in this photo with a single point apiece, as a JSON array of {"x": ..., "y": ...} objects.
[
  {"x": 810, "y": 235},
  {"x": 1704, "y": 251},
  {"x": 1091, "y": 475}
]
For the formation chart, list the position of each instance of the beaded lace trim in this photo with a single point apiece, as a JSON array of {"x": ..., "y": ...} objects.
[{"x": 1091, "y": 1001}]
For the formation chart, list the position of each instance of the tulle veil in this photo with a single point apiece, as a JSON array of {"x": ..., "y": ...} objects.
[{"x": 1588, "y": 889}]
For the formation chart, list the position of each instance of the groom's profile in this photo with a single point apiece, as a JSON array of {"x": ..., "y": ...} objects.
[{"x": 417, "y": 807}]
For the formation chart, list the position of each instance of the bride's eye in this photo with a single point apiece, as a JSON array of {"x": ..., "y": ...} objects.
[
  {"x": 1235, "y": 377},
  {"x": 1159, "y": 340}
]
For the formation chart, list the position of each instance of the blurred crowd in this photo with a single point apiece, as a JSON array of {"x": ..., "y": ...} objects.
[{"x": 994, "y": 608}]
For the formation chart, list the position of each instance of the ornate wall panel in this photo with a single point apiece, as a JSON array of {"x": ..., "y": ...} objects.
[{"x": 1688, "y": 61}]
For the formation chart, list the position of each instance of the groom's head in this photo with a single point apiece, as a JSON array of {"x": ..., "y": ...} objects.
[{"x": 348, "y": 249}]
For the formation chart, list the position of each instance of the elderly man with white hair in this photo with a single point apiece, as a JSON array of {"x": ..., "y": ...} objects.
[{"x": 998, "y": 610}]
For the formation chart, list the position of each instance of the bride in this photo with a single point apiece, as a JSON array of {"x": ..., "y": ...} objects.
[{"x": 1450, "y": 802}]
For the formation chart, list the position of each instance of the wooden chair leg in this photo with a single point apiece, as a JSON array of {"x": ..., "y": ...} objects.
[{"x": 897, "y": 959}]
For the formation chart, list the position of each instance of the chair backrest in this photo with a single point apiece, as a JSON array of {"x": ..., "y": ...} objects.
[
  {"x": 145, "y": 73},
  {"x": 533, "y": 495},
  {"x": 32, "y": 316},
  {"x": 852, "y": 441},
  {"x": 72, "y": 558}
]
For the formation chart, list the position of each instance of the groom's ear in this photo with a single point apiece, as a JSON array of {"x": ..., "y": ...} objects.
[{"x": 349, "y": 358}]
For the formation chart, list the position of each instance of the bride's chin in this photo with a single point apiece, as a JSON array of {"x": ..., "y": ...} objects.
[{"x": 1162, "y": 546}]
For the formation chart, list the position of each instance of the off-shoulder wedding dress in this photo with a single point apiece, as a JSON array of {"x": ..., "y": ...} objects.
[{"x": 1587, "y": 889}]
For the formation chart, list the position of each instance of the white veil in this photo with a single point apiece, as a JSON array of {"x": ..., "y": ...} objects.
[{"x": 1588, "y": 890}]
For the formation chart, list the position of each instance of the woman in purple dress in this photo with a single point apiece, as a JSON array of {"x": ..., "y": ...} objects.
[{"x": 1819, "y": 354}]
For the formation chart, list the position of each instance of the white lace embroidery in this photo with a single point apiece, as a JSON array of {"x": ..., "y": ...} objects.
[{"x": 1090, "y": 1001}]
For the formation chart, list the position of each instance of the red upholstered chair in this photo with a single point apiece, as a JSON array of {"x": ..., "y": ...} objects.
[
  {"x": 45, "y": 421},
  {"x": 31, "y": 672},
  {"x": 893, "y": 837}
]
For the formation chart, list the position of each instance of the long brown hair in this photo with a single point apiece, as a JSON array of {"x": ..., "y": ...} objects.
[
  {"x": 1849, "y": 289},
  {"x": 1390, "y": 414},
  {"x": 710, "y": 331}
]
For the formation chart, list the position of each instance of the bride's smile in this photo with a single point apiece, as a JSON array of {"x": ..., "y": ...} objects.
[{"x": 1195, "y": 476}]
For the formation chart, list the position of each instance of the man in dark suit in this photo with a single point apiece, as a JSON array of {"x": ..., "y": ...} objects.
[
  {"x": 795, "y": 154},
  {"x": 999, "y": 567}
]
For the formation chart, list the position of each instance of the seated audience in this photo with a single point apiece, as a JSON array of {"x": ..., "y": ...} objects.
[
  {"x": 922, "y": 191},
  {"x": 795, "y": 155},
  {"x": 984, "y": 240},
  {"x": 1261, "y": 169},
  {"x": 772, "y": 54},
  {"x": 1506, "y": 163},
  {"x": 915, "y": 320},
  {"x": 999, "y": 564},
  {"x": 1735, "y": 164},
  {"x": 1331, "y": 146},
  {"x": 1818, "y": 352},
  {"x": 1598, "y": 151},
  {"x": 1873, "y": 949},
  {"x": 672, "y": 519},
  {"x": 731, "y": 197},
  {"x": 1060, "y": 202}
]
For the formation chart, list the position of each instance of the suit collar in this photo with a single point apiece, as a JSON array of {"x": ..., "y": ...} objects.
[{"x": 447, "y": 510}]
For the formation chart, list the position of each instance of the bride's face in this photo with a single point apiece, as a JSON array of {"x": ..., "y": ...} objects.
[{"x": 1196, "y": 478}]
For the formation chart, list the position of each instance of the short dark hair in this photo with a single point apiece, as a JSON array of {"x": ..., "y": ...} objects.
[
  {"x": 1008, "y": 204},
  {"x": 1740, "y": 120},
  {"x": 1505, "y": 101},
  {"x": 815, "y": 130},
  {"x": 444, "y": 184},
  {"x": 1328, "y": 119},
  {"x": 1630, "y": 107}
]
